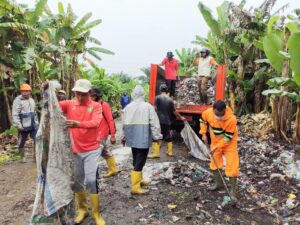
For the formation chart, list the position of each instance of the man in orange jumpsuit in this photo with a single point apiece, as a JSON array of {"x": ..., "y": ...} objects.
[{"x": 224, "y": 135}]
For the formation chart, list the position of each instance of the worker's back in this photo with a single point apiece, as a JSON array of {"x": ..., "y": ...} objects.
[{"x": 165, "y": 109}]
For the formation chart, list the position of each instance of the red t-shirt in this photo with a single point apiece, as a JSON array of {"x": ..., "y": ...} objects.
[
  {"x": 171, "y": 67},
  {"x": 107, "y": 124},
  {"x": 87, "y": 137}
]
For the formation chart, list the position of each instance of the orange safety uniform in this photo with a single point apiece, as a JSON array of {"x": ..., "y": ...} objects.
[{"x": 224, "y": 136}]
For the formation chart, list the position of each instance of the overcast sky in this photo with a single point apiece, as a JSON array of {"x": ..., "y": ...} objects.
[{"x": 140, "y": 32}]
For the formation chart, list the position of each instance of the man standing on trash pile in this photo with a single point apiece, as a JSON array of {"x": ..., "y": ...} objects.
[
  {"x": 224, "y": 135},
  {"x": 171, "y": 72},
  {"x": 204, "y": 63},
  {"x": 83, "y": 120},
  {"x": 166, "y": 113},
  {"x": 107, "y": 127},
  {"x": 24, "y": 118},
  {"x": 141, "y": 126}
]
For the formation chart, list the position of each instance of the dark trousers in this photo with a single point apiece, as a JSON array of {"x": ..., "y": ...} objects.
[
  {"x": 171, "y": 84},
  {"x": 23, "y": 135},
  {"x": 166, "y": 132},
  {"x": 139, "y": 158}
]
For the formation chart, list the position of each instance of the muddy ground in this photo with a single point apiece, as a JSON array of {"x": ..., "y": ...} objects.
[{"x": 194, "y": 204}]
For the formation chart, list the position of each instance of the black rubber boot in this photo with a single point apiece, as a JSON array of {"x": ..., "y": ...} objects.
[
  {"x": 232, "y": 189},
  {"x": 217, "y": 182}
]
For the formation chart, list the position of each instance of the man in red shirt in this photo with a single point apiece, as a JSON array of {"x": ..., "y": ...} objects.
[
  {"x": 107, "y": 127},
  {"x": 171, "y": 72},
  {"x": 83, "y": 120}
]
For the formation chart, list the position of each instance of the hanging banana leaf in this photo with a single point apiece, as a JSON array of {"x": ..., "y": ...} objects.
[
  {"x": 209, "y": 19},
  {"x": 273, "y": 44},
  {"x": 294, "y": 51},
  {"x": 28, "y": 57}
]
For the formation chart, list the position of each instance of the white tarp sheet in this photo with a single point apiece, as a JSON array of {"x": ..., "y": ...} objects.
[{"x": 197, "y": 148}]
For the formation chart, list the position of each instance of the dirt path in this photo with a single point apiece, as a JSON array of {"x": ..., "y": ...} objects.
[{"x": 17, "y": 182}]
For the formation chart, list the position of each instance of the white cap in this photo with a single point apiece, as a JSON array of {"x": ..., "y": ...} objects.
[{"x": 82, "y": 85}]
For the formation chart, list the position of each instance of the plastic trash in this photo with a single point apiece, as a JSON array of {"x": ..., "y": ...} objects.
[{"x": 197, "y": 148}]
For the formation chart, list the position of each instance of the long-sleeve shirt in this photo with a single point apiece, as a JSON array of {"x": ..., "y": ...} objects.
[
  {"x": 222, "y": 132},
  {"x": 107, "y": 125},
  {"x": 24, "y": 113},
  {"x": 89, "y": 115}
]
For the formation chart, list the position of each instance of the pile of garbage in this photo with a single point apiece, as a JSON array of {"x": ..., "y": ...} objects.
[
  {"x": 258, "y": 125},
  {"x": 272, "y": 164},
  {"x": 288, "y": 163},
  {"x": 185, "y": 173},
  {"x": 187, "y": 92}
]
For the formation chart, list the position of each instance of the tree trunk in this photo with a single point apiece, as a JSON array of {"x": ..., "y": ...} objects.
[
  {"x": 8, "y": 110},
  {"x": 4, "y": 123},
  {"x": 6, "y": 103},
  {"x": 283, "y": 108},
  {"x": 232, "y": 100},
  {"x": 296, "y": 135},
  {"x": 284, "y": 112},
  {"x": 240, "y": 88},
  {"x": 275, "y": 116},
  {"x": 257, "y": 96}
]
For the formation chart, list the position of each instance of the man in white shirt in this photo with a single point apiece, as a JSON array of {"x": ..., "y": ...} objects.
[{"x": 204, "y": 63}]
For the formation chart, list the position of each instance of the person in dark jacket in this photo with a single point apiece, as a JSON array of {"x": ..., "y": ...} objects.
[{"x": 166, "y": 112}]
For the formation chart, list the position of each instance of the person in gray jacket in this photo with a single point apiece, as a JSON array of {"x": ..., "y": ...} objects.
[
  {"x": 24, "y": 117},
  {"x": 141, "y": 126}
]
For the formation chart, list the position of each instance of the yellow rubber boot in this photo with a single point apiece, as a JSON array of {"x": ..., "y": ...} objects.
[
  {"x": 95, "y": 200},
  {"x": 82, "y": 210},
  {"x": 170, "y": 149},
  {"x": 136, "y": 178},
  {"x": 112, "y": 168},
  {"x": 155, "y": 151}
]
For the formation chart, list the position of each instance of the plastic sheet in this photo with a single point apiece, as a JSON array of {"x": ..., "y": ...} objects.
[
  {"x": 197, "y": 148},
  {"x": 54, "y": 163}
]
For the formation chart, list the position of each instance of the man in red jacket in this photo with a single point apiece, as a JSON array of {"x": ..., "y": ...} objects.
[{"x": 107, "y": 127}]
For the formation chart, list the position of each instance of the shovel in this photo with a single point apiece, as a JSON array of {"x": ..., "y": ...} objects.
[{"x": 222, "y": 178}]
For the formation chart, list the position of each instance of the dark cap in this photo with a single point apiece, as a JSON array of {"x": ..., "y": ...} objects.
[
  {"x": 170, "y": 54},
  {"x": 205, "y": 50},
  {"x": 97, "y": 92},
  {"x": 163, "y": 88}
]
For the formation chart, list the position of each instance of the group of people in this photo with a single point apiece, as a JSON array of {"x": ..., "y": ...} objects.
[
  {"x": 91, "y": 126},
  {"x": 204, "y": 62}
]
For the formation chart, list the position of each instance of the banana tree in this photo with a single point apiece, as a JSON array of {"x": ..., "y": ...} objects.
[
  {"x": 186, "y": 58},
  {"x": 282, "y": 49},
  {"x": 37, "y": 44},
  {"x": 232, "y": 39},
  {"x": 74, "y": 39}
]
